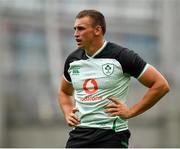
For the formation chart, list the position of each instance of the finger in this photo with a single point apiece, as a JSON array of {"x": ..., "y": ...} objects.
[
  {"x": 71, "y": 123},
  {"x": 111, "y": 105},
  {"x": 114, "y": 100},
  {"x": 114, "y": 114},
  {"x": 74, "y": 110},
  {"x": 110, "y": 110},
  {"x": 73, "y": 120},
  {"x": 74, "y": 117},
  {"x": 122, "y": 116}
]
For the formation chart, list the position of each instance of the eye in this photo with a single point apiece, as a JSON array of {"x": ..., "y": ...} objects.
[{"x": 79, "y": 28}]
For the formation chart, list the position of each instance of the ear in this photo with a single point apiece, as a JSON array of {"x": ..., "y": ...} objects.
[{"x": 98, "y": 30}]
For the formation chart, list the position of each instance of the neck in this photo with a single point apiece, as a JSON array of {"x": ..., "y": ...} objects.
[{"x": 94, "y": 47}]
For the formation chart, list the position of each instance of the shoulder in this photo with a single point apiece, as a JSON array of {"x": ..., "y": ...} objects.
[
  {"x": 76, "y": 55},
  {"x": 130, "y": 61},
  {"x": 115, "y": 48},
  {"x": 115, "y": 51},
  {"x": 111, "y": 51},
  {"x": 119, "y": 52}
]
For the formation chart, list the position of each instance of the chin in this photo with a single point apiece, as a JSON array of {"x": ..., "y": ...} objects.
[{"x": 79, "y": 46}]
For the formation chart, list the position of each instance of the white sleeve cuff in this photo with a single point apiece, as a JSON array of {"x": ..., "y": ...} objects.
[
  {"x": 66, "y": 79},
  {"x": 145, "y": 67}
]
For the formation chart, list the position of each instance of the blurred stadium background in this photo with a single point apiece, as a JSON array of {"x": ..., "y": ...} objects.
[{"x": 37, "y": 35}]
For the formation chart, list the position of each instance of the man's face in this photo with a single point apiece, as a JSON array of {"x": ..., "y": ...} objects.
[{"x": 84, "y": 32}]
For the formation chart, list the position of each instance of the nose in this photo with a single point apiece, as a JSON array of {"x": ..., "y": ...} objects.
[{"x": 76, "y": 34}]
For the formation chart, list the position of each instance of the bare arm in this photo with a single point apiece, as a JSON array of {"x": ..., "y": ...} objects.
[
  {"x": 158, "y": 87},
  {"x": 66, "y": 102}
]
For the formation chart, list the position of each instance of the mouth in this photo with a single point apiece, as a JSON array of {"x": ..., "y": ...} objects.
[{"x": 78, "y": 41}]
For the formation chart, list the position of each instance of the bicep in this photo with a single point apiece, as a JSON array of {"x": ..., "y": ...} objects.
[
  {"x": 150, "y": 76},
  {"x": 66, "y": 87}
]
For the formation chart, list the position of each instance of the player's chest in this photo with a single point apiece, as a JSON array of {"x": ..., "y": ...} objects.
[{"x": 102, "y": 72}]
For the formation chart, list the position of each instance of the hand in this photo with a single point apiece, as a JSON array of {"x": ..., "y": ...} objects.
[
  {"x": 72, "y": 118},
  {"x": 117, "y": 108}
]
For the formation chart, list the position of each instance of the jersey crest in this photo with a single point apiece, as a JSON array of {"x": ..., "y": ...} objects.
[{"x": 108, "y": 69}]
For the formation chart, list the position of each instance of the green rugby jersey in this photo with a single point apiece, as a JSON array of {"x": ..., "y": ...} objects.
[{"x": 106, "y": 73}]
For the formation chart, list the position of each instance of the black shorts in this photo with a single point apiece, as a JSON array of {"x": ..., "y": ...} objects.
[{"x": 97, "y": 138}]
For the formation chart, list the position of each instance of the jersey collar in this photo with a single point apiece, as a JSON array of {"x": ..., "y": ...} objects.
[{"x": 98, "y": 51}]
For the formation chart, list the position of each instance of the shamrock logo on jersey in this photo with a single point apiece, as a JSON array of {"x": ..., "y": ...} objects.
[{"x": 108, "y": 69}]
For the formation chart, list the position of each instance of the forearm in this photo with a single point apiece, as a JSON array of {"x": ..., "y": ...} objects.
[
  {"x": 151, "y": 97},
  {"x": 67, "y": 105},
  {"x": 65, "y": 102}
]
